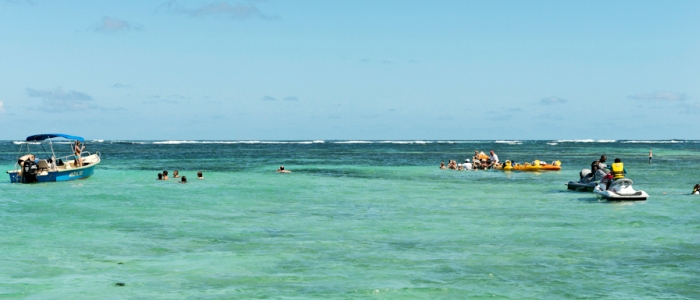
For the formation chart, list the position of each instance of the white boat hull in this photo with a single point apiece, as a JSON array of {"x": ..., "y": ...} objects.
[{"x": 620, "y": 190}]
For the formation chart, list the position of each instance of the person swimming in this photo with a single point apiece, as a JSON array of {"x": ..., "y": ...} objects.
[
  {"x": 696, "y": 189},
  {"x": 165, "y": 175},
  {"x": 282, "y": 170},
  {"x": 160, "y": 176},
  {"x": 199, "y": 175},
  {"x": 184, "y": 179}
]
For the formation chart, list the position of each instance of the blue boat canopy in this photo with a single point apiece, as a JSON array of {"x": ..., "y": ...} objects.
[{"x": 41, "y": 137}]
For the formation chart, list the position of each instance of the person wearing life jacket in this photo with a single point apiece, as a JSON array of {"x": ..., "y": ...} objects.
[{"x": 618, "y": 169}]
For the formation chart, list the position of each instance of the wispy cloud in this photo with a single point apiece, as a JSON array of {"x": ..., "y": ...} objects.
[
  {"x": 114, "y": 25},
  {"x": 550, "y": 117},
  {"x": 660, "y": 96},
  {"x": 167, "y": 101},
  {"x": 688, "y": 108},
  {"x": 552, "y": 100},
  {"x": 235, "y": 11},
  {"x": 31, "y": 2},
  {"x": 291, "y": 98},
  {"x": 502, "y": 117},
  {"x": 268, "y": 98},
  {"x": 60, "y": 100},
  {"x": 2, "y": 107},
  {"x": 120, "y": 86}
]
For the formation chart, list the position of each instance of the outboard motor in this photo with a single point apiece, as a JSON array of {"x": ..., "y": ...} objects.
[{"x": 29, "y": 171}]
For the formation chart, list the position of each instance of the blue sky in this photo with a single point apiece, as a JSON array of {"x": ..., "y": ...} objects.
[{"x": 281, "y": 70}]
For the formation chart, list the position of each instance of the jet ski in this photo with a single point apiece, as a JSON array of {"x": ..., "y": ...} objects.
[
  {"x": 587, "y": 182},
  {"x": 619, "y": 190}
]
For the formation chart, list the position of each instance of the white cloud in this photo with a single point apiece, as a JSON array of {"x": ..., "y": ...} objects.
[
  {"x": 31, "y": 2},
  {"x": 2, "y": 107},
  {"x": 661, "y": 96},
  {"x": 60, "y": 100},
  {"x": 120, "y": 86},
  {"x": 113, "y": 25},
  {"x": 552, "y": 100},
  {"x": 268, "y": 98},
  {"x": 234, "y": 11}
]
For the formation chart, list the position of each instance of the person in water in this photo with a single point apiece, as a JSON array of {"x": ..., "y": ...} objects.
[
  {"x": 199, "y": 175},
  {"x": 442, "y": 166},
  {"x": 183, "y": 180},
  {"x": 650, "y": 156},
  {"x": 165, "y": 175},
  {"x": 282, "y": 170},
  {"x": 618, "y": 169},
  {"x": 696, "y": 189},
  {"x": 452, "y": 165},
  {"x": 160, "y": 176},
  {"x": 176, "y": 174},
  {"x": 77, "y": 150},
  {"x": 467, "y": 165}
]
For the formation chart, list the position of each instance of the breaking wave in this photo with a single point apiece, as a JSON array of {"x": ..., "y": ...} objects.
[
  {"x": 509, "y": 142},
  {"x": 653, "y": 142},
  {"x": 585, "y": 141}
]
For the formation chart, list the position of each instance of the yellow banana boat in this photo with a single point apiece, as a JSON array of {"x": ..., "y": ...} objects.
[{"x": 535, "y": 166}]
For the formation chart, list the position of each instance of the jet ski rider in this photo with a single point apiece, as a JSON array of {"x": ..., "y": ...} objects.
[
  {"x": 618, "y": 169},
  {"x": 599, "y": 164}
]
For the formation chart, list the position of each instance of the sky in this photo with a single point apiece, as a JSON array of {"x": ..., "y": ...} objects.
[{"x": 346, "y": 70}]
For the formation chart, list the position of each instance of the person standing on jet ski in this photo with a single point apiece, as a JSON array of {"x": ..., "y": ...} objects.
[{"x": 618, "y": 169}]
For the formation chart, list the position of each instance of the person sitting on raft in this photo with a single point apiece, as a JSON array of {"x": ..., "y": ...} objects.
[
  {"x": 618, "y": 169},
  {"x": 696, "y": 189}
]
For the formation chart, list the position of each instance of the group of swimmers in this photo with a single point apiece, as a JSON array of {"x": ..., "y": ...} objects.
[
  {"x": 176, "y": 174},
  {"x": 481, "y": 161}
]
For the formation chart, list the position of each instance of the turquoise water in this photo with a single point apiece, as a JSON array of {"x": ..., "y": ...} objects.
[{"x": 355, "y": 220}]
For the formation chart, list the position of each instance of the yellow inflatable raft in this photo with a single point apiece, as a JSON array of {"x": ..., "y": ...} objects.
[{"x": 535, "y": 166}]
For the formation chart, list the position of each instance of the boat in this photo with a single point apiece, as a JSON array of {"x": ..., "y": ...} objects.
[
  {"x": 619, "y": 190},
  {"x": 587, "y": 182},
  {"x": 49, "y": 168},
  {"x": 536, "y": 166}
]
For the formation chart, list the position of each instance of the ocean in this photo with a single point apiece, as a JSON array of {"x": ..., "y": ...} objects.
[{"x": 354, "y": 220}]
